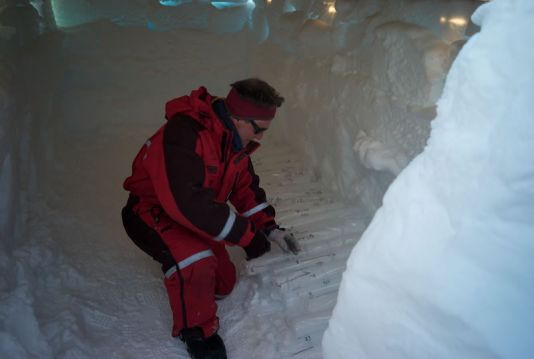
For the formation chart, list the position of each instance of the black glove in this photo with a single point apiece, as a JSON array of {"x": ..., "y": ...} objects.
[{"x": 258, "y": 246}]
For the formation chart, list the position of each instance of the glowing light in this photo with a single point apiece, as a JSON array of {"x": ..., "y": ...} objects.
[
  {"x": 443, "y": 19},
  {"x": 230, "y": 4},
  {"x": 331, "y": 9},
  {"x": 269, "y": 2},
  {"x": 173, "y": 2},
  {"x": 458, "y": 21}
]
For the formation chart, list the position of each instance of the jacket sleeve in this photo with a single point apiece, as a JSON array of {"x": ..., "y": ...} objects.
[
  {"x": 250, "y": 199},
  {"x": 178, "y": 182}
]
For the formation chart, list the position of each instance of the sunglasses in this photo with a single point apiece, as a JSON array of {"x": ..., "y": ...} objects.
[{"x": 257, "y": 129}]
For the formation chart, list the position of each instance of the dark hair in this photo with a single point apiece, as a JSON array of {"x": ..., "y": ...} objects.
[{"x": 259, "y": 92}]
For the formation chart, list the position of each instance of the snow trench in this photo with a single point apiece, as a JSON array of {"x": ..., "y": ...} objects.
[
  {"x": 75, "y": 286},
  {"x": 81, "y": 101}
]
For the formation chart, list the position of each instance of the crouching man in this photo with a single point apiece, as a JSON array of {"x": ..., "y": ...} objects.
[{"x": 177, "y": 211}]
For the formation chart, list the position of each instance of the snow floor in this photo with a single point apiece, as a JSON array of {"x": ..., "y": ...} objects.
[
  {"x": 111, "y": 302},
  {"x": 299, "y": 292},
  {"x": 91, "y": 291}
]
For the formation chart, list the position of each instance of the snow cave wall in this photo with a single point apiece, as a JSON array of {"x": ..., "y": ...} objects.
[
  {"x": 27, "y": 84},
  {"x": 361, "y": 90},
  {"x": 445, "y": 268},
  {"x": 8, "y": 153},
  {"x": 361, "y": 83},
  {"x": 26, "y": 127}
]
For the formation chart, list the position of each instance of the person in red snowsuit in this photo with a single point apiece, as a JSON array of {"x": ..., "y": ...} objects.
[{"x": 177, "y": 211}]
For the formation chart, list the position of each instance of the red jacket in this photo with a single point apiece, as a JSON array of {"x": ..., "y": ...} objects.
[{"x": 188, "y": 169}]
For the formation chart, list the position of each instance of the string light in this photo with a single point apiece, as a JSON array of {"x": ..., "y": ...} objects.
[
  {"x": 458, "y": 21},
  {"x": 331, "y": 9}
]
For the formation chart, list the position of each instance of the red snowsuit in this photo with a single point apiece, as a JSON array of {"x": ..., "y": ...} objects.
[{"x": 182, "y": 178}]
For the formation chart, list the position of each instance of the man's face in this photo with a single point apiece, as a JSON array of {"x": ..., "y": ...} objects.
[{"x": 249, "y": 129}]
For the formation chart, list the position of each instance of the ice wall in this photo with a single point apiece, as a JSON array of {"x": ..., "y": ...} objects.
[
  {"x": 8, "y": 174},
  {"x": 376, "y": 68},
  {"x": 373, "y": 66},
  {"x": 199, "y": 14},
  {"x": 28, "y": 74},
  {"x": 445, "y": 269},
  {"x": 20, "y": 25},
  {"x": 18, "y": 328},
  {"x": 351, "y": 108}
]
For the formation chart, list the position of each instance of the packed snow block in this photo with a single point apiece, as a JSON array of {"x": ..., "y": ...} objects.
[
  {"x": 71, "y": 13},
  {"x": 377, "y": 156},
  {"x": 324, "y": 34},
  {"x": 20, "y": 24},
  {"x": 415, "y": 64},
  {"x": 190, "y": 15},
  {"x": 289, "y": 6},
  {"x": 315, "y": 39},
  {"x": 434, "y": 16},
  {"x": 357, "y": 11},
  {"x": 346, "y": 36},
  {"x": 259, "y": 26},
  {"x": 74, "y": 12},
  {"x": 378, "y": 71},
  {"x": 362, "y": 90},
  {"x": 20, "y": 332},
  {"x": 445, "y": 268},
  {"x": 231, "y": 19},
  {"x": 46, "y": 11},
  {"x": 327, "y": 112},
  {"x": 284, "y": 29}
]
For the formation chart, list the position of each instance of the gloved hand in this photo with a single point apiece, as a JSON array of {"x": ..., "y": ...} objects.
[
  {"x": 258, "y": 246},
  {"x": 285, "y": 240}
]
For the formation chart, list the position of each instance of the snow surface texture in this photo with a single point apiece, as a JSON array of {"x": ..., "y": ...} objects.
[
  {"x": 80, "y": 103},
  {"x": 379, "y": 68},
  {"x": 27, "y": 258},
  {"x": 377, "y": 156},
  {"x": 85, "y": 291},
  {"x": 73, "y": 285},
  {"x": 445, "y": 268}
]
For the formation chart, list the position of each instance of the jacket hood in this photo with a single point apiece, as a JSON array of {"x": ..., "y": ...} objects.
[{"x": 197, "y": 106}]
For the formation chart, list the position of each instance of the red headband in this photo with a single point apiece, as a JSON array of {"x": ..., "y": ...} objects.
[{"x": 241, "y": 107}]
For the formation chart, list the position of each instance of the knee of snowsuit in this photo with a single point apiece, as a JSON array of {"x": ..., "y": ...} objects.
[
  {"x": 196, "y": 272},
  {"x": 144, "y": 237}
]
